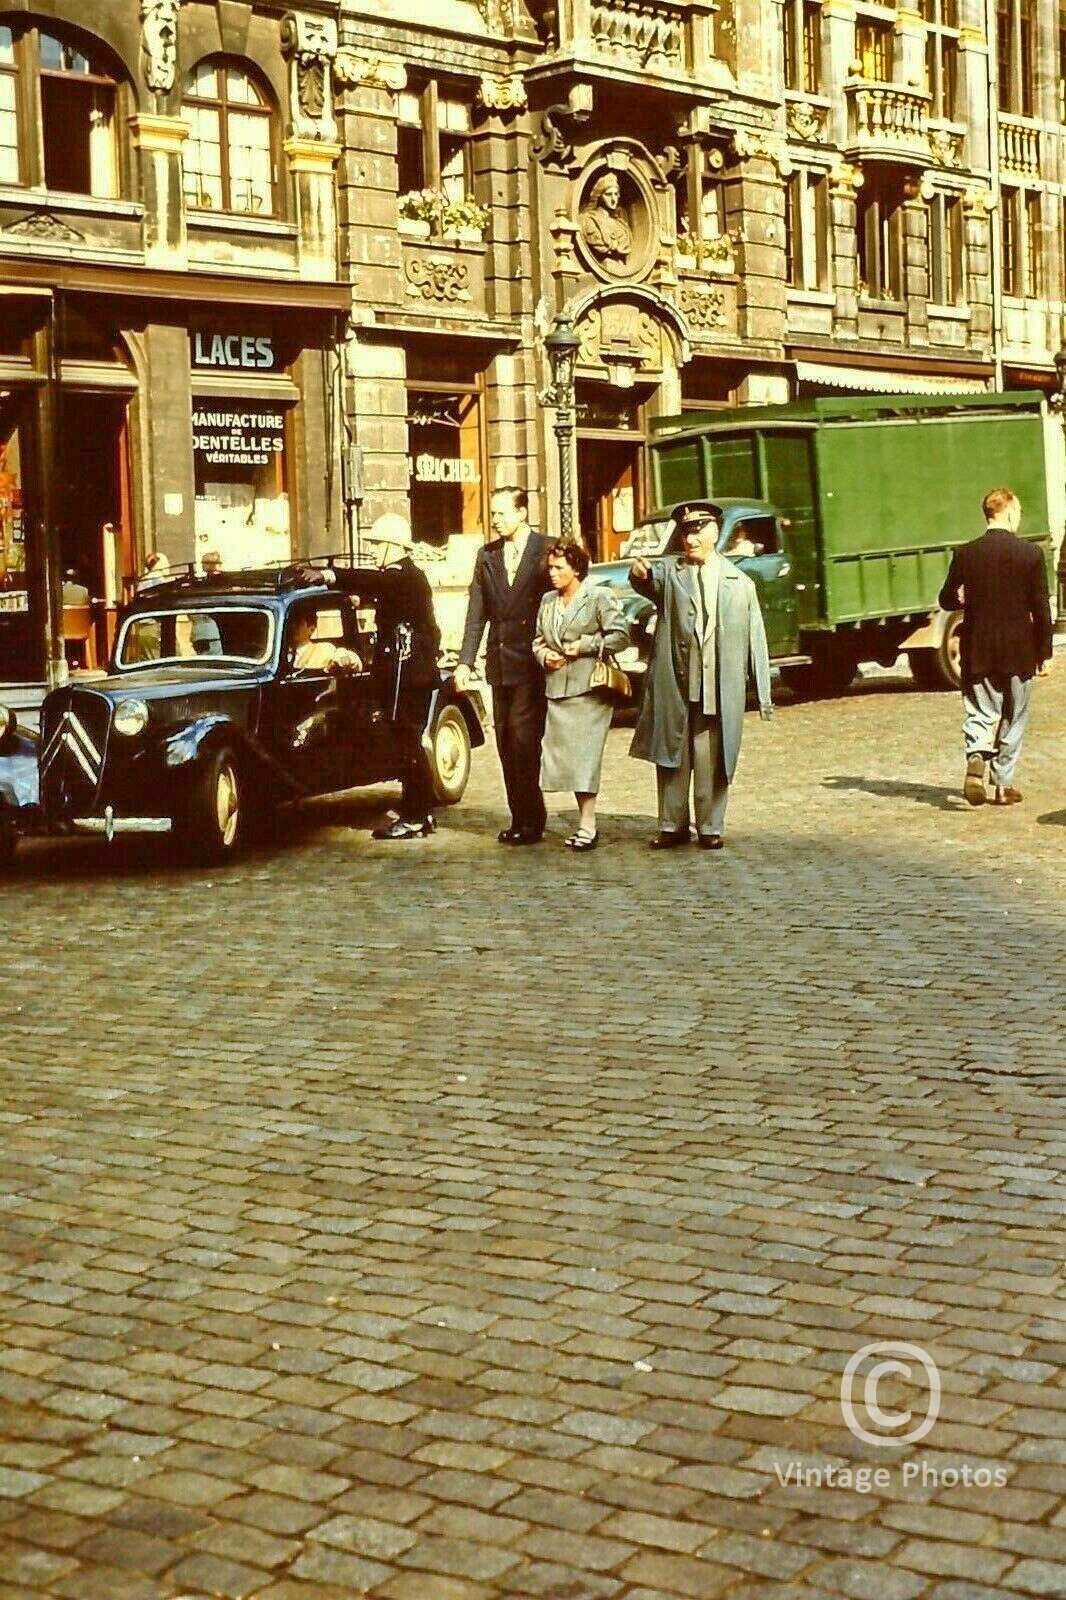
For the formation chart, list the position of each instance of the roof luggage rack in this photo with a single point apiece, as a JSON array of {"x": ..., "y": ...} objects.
[{"x": 278, "y": 577}]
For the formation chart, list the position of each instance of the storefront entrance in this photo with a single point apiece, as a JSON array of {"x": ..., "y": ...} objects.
[{"x": 610, "y": 467}]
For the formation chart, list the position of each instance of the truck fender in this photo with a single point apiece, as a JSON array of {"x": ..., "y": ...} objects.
[
  {"x": 20, "y": 776},
  {"x": 187, "y": 744}
]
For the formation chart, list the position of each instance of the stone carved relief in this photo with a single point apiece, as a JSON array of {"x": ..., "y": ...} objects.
[
  {"x": 704, "y": 308},
  {"x": 807, "y": 122},
  {"x": 563, "y": 233},
  {"x": 44, "y": 225},
  {"x": 551, "y": 147},
  {"x": 353, "y": 70},
  {"x": 621, "y": 331},
  {"x": 159, "y": 43},
  {"x": 945, "y": 147},
  {"x": 604, "y": 224},
  {"x": 846, "y": 179},
  {"x": 309, "y": 44},
  {"x": 502, "y": 94},
  {"x": 437, "y": 278},
  {"x": 752, "y": 143},
  {"x": 502, "y": 16}
]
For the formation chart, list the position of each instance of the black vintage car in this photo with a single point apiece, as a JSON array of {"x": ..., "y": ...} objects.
[{"x": 225, "y": 697}]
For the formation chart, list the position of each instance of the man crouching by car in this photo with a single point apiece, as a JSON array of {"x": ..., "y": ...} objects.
[{"x": 410, "y": 638}]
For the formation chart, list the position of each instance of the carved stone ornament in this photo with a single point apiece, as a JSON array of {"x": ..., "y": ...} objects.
[
  {"x": 354, "y": 70},
  {"x": 603, "y": 222},
  {"x": 437, "y": 278},
  {"x": 551, "y": 147},
  {"x": 44, "y": 225},
  {"x": 502, "y": 94},
  {"x": 945, "y": 147},
  {"x": 309, "y": 44},
  {"x": 563, "y": 233},
  {"x": 979, "y": 200},
  {"x": 752, "y": 143},
  {"x": 919, "y": 187},
  {"x": 845, "y": 178},
  {"x": 159, "y": 43},
  {"x": 807, "y": 122},
  {"x": 502, "y": 16},
  {"x": 704, "y": 308}
]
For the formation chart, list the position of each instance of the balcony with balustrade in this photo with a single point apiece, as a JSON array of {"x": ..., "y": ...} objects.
[
  {"x": 671, "y": 42},
  {"x": 887, "y": 122},
  {"x": 1019, "y": 146}
]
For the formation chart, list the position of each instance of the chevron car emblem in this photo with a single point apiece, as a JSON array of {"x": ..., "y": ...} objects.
[{"x": 71, "y": 734}]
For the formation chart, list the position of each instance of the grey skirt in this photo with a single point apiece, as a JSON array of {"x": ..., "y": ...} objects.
[{"x": 574, "y": 736}]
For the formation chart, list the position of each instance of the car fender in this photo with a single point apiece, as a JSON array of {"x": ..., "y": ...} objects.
[
  {"x": 467, "y": 703},
  {"x": 20, "y": 774},
  {"x": 184, "y": 746}
]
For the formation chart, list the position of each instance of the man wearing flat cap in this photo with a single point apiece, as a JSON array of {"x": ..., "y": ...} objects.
[{"x": 710, "y": 636}]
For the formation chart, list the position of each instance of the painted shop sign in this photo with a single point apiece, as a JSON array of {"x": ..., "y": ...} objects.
[
  {"x": 232, "y": 437},
  {"x": 445, "y": 469},
  {"x": 235, "y": 351}
]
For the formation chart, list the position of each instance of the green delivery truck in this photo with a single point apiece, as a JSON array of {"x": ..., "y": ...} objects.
[{"x": 845, "y": 512}]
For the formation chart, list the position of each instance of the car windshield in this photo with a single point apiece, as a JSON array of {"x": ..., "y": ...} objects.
[
  {"x": 226, "y": 633},
  {"x": 648, "y": 538}
]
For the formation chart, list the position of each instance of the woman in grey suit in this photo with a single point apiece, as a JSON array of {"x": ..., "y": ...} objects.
[{"x": 577, "y": 622}]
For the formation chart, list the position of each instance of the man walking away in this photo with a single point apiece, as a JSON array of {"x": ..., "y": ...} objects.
[
  {"x": 1000, "y": 583},
  {"x": 510, "y": 578}
]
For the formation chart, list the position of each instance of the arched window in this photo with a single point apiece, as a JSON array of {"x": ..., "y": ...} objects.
[
  {"x": 229, "y": 154},
  {"x": 10, "y": 170},
  {"x": 78, "y": 94}
]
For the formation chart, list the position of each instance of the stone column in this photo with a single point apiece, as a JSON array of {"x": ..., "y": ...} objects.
[
  {"x": 908, "y": 53},
  {"x": 158, "y": 141},
  {"x": 756, "y": 216},
  {"x": 838, "y": 53},
  {"x": 313, "y": 163},
  {"x": 844, "y": 184},
  {"x": 309, "y": 44},
  {"x": 973, "y": 106},
  {"x": 918, "y": 193},
  {"x": 977, "y": 203}
]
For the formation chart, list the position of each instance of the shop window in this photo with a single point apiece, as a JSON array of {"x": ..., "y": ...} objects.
[
  {"x": 77, "y": 119},
  {"x": 434, "y": 166},
  {"x": 241, "y": 474},
  {"x": 229, "y": 156},
  {"x": 12, "y": 547},
  {"x": 880, "y": 242},
  {"x": 807, "y": 230},
  {"x": 802, "y": 24},
  {"x": 946, "y": 277},
  {"x": 873, "y": 50},
  {"x": 10, "y": 171},
  {"x": 445, "y": 446}
]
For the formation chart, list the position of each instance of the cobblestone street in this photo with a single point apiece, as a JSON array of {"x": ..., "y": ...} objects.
[{"x": 448, "y": 1222}]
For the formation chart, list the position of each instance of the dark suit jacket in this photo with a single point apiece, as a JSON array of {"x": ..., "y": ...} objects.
[
  {"x": 510, "y": 611},
  {"x": 1006, "y": 627},
  {"x": 405, "y": 596}
]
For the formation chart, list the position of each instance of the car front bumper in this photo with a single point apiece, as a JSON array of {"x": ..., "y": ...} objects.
[{"x": 109, "y": 824}]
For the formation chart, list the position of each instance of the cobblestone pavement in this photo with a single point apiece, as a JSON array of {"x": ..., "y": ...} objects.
[{"x": 443, "y": 1222}]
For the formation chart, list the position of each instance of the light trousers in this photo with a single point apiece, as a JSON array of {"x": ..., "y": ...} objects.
[
  {"x": 702, "y": 769},
  {"x": 995, "y": 715}
]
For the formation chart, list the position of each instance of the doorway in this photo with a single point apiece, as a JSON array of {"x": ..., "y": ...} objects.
[
  {"x": 610, "y": 492},
  {"x": 93, "y": 490}
]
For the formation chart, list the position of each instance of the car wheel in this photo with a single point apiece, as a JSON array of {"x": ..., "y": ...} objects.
[
  {"x": 450, "y": 758},
  {"x": 213, "y": 826}
]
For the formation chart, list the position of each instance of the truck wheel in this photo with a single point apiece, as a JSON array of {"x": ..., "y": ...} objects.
[
  {"x": 450, "y": 758},
  {"x": 827, "y": 675},
  {"x": 949, "y": 655},
  {"x": 213, "y": 823},
  {"x": 925, "y": 669}
]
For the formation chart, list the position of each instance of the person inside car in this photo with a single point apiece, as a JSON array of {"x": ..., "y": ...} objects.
[{"x": 319, "y": 655}]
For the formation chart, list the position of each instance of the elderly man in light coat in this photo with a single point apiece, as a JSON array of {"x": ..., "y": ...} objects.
[{"x": 709, "y": 637}]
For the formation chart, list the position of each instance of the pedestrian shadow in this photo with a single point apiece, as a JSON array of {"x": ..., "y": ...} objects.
[
  {"x": 1053, "y": 819},
  {"x": 923, "y": 794}
]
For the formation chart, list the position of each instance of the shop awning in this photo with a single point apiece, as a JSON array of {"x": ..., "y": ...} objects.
[{"x": 871, "y": 380}]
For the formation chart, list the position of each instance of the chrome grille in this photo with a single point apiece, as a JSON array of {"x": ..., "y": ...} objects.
[{"x": 75, "y": 728}]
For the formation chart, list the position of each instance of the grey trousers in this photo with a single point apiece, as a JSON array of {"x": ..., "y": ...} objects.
[
  {"x": 995, "y": 714},
  {"x": 701, "y": 766}
]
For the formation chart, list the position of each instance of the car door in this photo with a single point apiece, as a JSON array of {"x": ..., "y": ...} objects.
[
  {"x": 310, "y": 716},
  {"x": 759, "y": 551}
]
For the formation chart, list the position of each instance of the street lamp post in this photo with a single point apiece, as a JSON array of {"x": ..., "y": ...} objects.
[
  {"x": 1058, "y": 404},
  {"x": 562, "y": 345}
]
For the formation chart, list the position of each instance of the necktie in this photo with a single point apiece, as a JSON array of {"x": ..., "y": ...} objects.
[
  {"x": 703, "y": 601},
  {"x": 510, "y": 556}
]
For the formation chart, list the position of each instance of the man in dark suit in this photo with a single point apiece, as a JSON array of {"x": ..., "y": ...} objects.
[
  {"x": 1000, "y": 583},
  {"x": 510, "y": 578},
  {"x": 406, "y": 667}
]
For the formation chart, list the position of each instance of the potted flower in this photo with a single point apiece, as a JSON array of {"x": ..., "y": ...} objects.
[
  {"x": 420, "y": 211},
  {"x": 687, "y": 252},
  {"x": 719, "y": 255},
  {"x": 465, "y": 219}
]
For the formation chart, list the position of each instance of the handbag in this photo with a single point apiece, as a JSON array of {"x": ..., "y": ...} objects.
[{"x": 608, "y": 677}]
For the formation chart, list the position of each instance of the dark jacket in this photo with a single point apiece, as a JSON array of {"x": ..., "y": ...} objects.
[
  {"x": 405, "y": 596},
  {"x": 1006, "y": 626},
  {"x": 510, "y": 611}
]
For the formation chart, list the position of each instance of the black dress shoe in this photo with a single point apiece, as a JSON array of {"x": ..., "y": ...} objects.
[
  {"x": 406, "y": 830},
  {"x": 711, "y": 841},
  {"x": 668, "y": 841},
  {"x": 527, "y": 836}
]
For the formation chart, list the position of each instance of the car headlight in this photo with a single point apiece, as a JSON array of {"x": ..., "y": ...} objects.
[{"x": 131, "y": 717}]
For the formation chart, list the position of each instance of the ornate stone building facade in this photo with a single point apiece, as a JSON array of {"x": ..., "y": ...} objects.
[
  {"x": 733, "y": 202},
  {"x": 171, "y": 313}
]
